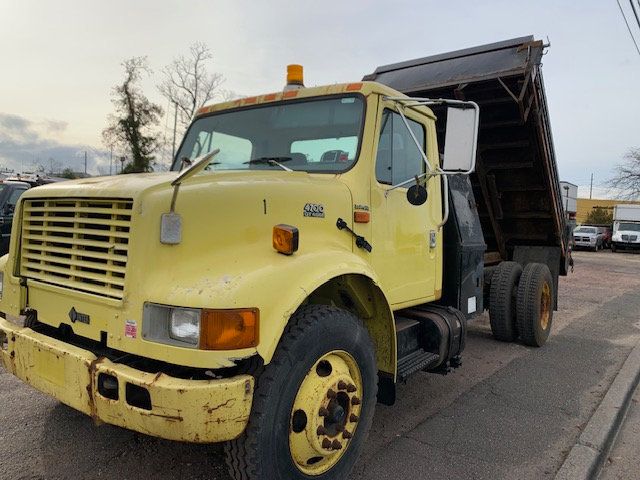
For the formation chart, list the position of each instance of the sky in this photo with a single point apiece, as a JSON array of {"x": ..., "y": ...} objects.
[{"x": 59, "y": 61}]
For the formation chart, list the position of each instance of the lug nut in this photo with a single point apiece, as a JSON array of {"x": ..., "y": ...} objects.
[
  {"x": 353, "y": 418},
  {"x": 331, "y": 394},
  {"x": 321, "y": 430},
  {"x": 346, "y": 435},
  {"x": 355, "y": 401},
  {"x": 323, "y": 412},
  {"x": 342, "y": 385},
  {"x": 326, "y": 443},
  {"x": 351, "y": 388},
  {"x": 336, "y": 445}
]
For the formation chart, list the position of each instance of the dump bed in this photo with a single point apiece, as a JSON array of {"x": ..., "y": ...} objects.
[{"x": 516, "y": 179}]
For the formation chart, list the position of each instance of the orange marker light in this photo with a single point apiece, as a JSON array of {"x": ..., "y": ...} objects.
[
  {"x": 285, "y": 239},
  {"x": 229, "y": 329},
  {"x": 361, "y": 217}
]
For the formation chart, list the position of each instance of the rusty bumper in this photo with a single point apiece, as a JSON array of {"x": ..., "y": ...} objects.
[{"x": 202, "y": 411}]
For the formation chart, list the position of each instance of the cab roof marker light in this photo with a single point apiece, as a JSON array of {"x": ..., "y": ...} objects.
[{"x": 295, "y": 78}]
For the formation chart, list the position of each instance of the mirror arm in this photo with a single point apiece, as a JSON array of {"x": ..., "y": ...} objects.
[
  {"x": 402, "y": 184},
  {"x": 402, "y": 102},
  {"x": 413, "y": 137},
  {"x": 445, "y": 188}
]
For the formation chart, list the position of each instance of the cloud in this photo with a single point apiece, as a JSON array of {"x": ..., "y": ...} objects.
[{"x": 25, "y": 145}]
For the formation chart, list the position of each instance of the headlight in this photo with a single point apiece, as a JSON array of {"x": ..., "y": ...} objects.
[
  {"x": 592, "y": 240},
  {"x": 223, "y": 329},
  {"x": 171, "y": 325},
  {"x": 184, "y": 325}
]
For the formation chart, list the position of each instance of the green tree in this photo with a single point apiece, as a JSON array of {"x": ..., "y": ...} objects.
[
  {"x": 599, "y": 216},
  {"x": 133, "y": 126},
  {"x": 68, "y": 173}
]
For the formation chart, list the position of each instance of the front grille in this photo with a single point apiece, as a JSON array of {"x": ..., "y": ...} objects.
[
  {"x": 625, "y": 238},
  {"x": 633, "y": 238},
  {"x": 81, "y": 244}
]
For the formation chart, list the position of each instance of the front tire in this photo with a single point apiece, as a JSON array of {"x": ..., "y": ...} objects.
[
  {"x": 535, "y": 304},
  {"x": 313, "y": 404}
]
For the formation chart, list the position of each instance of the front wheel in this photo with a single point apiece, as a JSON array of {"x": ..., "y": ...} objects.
[{"x": 314, "y": 402}]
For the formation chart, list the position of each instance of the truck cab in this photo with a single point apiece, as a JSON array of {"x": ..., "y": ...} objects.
[
  {"x": 272, "y": 287},
  {"x": 10, "y": 193},
  {"x": 626, "y": 227}
]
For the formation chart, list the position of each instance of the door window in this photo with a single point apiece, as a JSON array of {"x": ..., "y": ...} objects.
[{"x": 398, "y": 158}]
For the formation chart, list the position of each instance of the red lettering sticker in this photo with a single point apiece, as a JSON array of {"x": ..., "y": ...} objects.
[{"x": 131, "y": 329}]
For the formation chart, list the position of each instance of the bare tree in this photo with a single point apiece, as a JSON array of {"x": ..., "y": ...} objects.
[
  {"x": 187, "y": 83},
  {"x": 132, "y": 127},
  {"x": 627, "y": 175}
]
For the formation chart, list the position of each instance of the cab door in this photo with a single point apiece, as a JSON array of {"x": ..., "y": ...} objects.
[{"x": 404, "y": 236}]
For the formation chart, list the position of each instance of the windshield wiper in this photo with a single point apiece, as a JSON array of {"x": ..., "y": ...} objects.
[{"x": 270, "y": 161}]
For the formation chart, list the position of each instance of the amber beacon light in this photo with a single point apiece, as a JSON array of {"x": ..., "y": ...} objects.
[
  {"x": 285, "y": 239},
  {"x": 294, "y": 75}
]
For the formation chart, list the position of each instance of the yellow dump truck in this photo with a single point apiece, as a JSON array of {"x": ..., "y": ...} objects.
[{"x": 270, "y": 289}]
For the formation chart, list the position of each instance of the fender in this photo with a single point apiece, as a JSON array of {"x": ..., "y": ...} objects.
[{"x": 278, "y": 285}]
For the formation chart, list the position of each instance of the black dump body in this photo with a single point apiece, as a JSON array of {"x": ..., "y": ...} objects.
[{"x": 516, "y": 180}]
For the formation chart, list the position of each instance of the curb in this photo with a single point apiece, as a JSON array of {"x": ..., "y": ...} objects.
[{"x": 586, "y": 458}]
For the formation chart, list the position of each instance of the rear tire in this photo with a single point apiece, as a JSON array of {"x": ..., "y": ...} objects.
[
  {"x": 502, "y": 301},
  {"x": 324, "y": 360},
  {"x": 535, "y": 304},
  {"x": 613, "y": 248}
]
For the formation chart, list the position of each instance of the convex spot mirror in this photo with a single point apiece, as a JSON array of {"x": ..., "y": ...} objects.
[
  {"x": 461, "y": 138},
  {"x": 417, "y": 194}
]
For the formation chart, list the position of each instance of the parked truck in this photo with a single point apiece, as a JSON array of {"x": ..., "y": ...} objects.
[
  {"x": 626, "y": 227},
  {"x": 310, "y": 248},
  {"x": 10, "y": 192}
]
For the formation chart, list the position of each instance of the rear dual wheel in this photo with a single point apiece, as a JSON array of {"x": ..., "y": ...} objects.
[
  {"x": 521, "y": 303},
  {"x": 313, "y": 403},
  {"x": 535, "y": 304}
]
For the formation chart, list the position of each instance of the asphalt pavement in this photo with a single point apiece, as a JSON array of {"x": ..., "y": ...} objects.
[{"x": 510, "y": 412}]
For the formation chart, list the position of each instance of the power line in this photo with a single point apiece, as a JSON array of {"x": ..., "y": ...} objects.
[
  {"x": 628, "y": 27},
  {"x": 635, "y": 12}
]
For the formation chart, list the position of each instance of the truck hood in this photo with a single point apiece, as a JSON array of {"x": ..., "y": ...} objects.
[{"x": 131, "y": 186}]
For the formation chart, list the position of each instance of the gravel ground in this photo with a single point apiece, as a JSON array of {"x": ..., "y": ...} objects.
[{"x": 41, "y": 438}]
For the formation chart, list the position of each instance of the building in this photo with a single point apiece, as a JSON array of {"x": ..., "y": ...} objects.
[
  {"x": 569, "y": 193},
  {"x": 586, "y": 205}
]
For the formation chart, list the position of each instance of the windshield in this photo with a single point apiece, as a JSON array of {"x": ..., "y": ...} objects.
[
  {"x": 585, "y": 230},
  {"x": 315, "y": 135},
  {"x": 630, "y": 227}
]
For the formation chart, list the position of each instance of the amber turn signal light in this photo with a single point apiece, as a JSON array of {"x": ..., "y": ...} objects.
[
  {"x": 229, "y": 329},
  {"x": 361, "y": 217},
  {"x": 285, "y": 239}
]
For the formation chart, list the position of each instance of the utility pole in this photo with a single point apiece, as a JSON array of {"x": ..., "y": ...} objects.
[
  {"x": 85, "y": 163},
  {"x": 591, "y": 187},
  {"x": 175, "y": 126},
  {"x": 110, "y": 158}
]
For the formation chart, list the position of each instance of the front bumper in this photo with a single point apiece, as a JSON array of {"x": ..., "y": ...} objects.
[
  {"x": 201, "y": 411},
  {"x": 584, "y": 244},
  {"x": 623, "y": 245}
]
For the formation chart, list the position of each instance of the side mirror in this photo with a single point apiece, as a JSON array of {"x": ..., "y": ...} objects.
[
  {"x": 417, "y": 195},
  {"x": 461, "y": 139}
]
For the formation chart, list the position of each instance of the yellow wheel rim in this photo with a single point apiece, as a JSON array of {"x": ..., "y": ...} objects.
[
  {"x": 545, "y": 306},
  {"x": 325, "y": 413}
]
